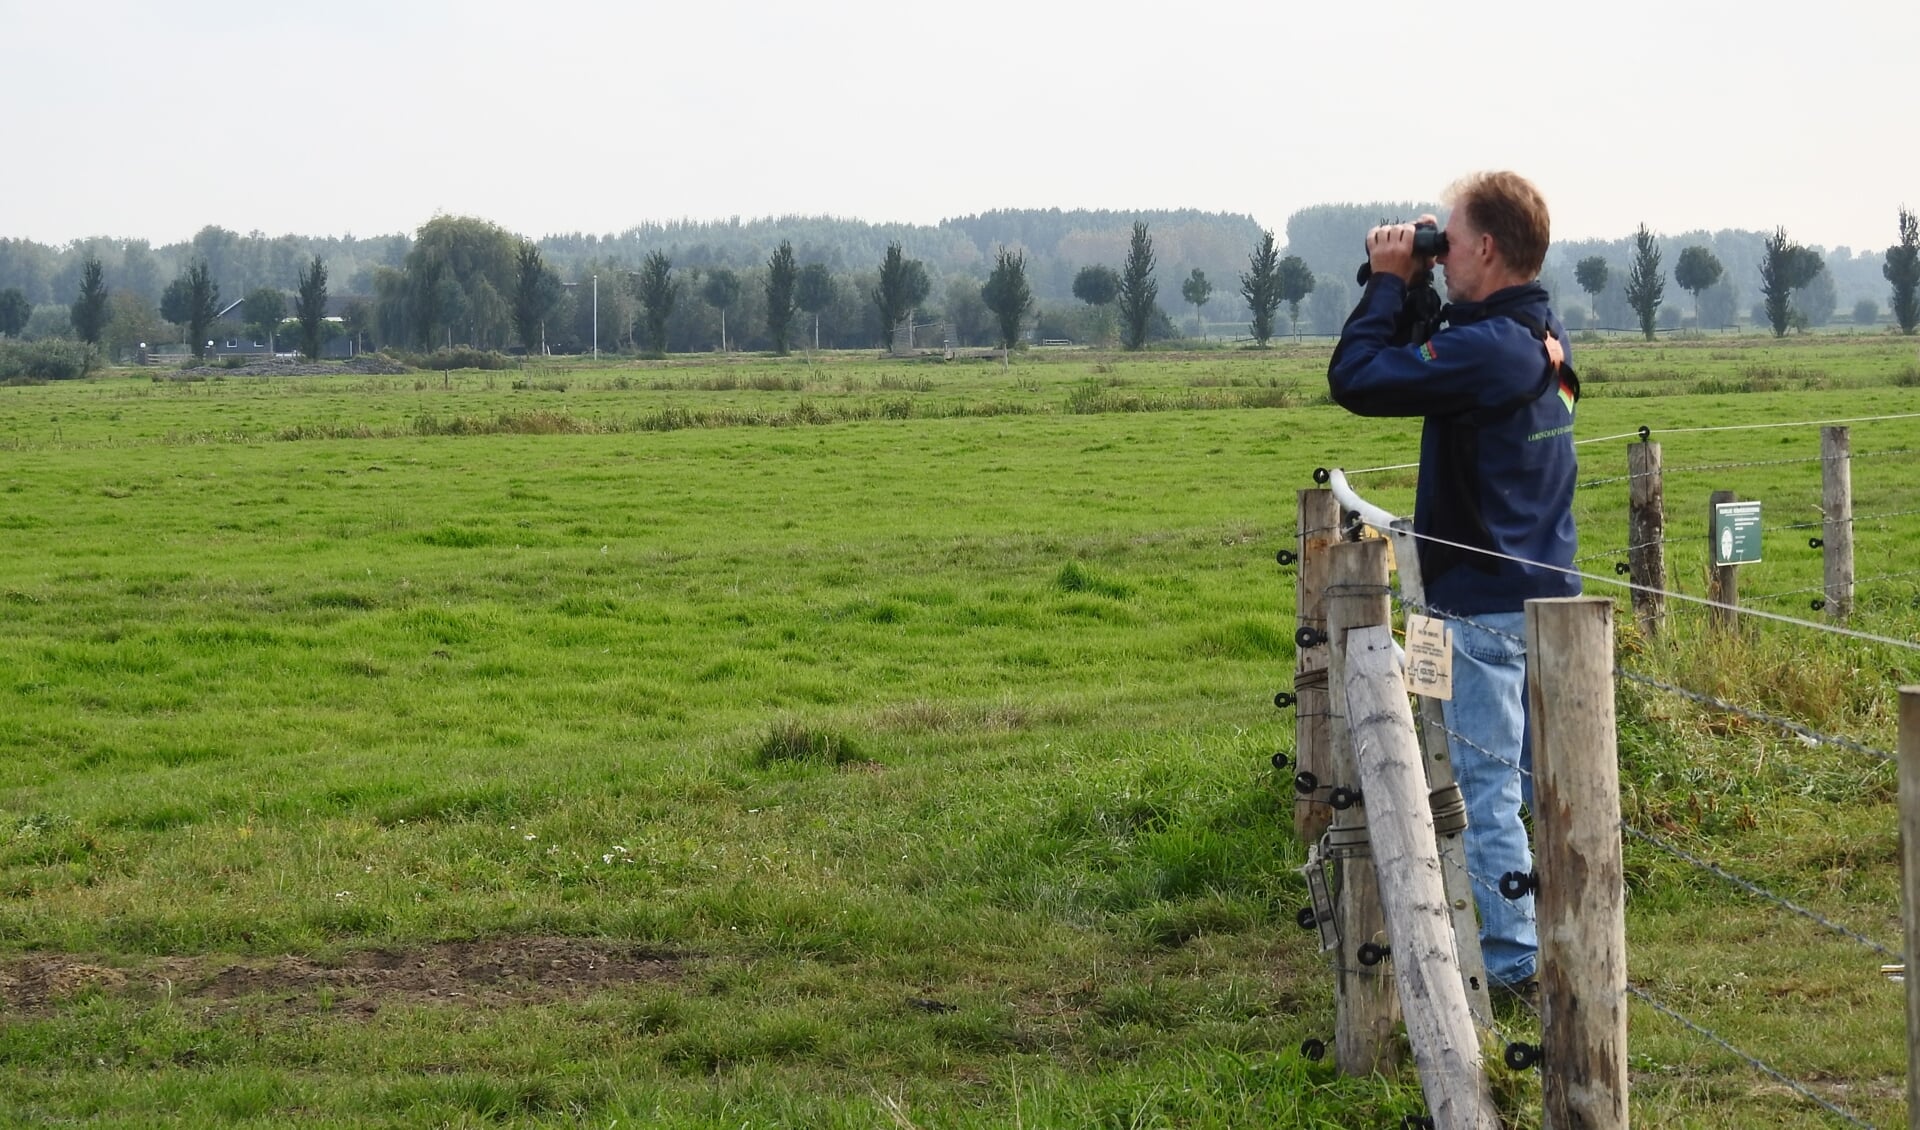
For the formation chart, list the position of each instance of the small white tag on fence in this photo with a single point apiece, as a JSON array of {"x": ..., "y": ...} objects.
[{"x": 1429, "y": 657}]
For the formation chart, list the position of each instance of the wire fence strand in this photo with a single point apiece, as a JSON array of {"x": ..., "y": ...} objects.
[
  {"x": 1757, "y": 890},
  {"x": 1798, "y": 729},
  {"x": 1751, "y": 1060},
  {"x": 1856, "y": 457}
]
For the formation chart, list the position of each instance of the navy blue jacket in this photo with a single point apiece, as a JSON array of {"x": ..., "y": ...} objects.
[{"x": 1496, "y": 452}]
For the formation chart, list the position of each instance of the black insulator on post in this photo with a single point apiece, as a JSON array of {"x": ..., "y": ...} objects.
[
  {"x": 1286, "y": 557},
  {"x": 1520, "y": 1056},
  {"x": 1516, "y": 885}
]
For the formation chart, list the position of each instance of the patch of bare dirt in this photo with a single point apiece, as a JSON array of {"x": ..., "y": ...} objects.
[{"x": 489, "y": 973}]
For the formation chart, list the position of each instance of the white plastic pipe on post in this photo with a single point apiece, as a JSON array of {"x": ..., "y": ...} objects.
[{"x": 1435, "y": 750}]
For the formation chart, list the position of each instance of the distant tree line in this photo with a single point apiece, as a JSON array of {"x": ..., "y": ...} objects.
[
  {"x": 825, "y": 283},
  {"x": 1795, "y": 285}
]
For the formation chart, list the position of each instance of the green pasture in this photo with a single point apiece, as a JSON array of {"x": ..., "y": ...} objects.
[{"x": 839, "y": 742}]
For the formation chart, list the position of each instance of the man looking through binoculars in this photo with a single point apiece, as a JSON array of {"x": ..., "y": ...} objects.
[{"x": 1492, "y": 515}]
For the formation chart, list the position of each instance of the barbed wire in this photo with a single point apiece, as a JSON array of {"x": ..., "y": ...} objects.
[
  {"x": 1821, "y": 524},
  {"x": 1643, "y": 545},
  {"x": 1759, "y": 427},
  {"x": 1894, "y": 576},
  {"x": 1857, "y": 582},
  {"x": 1756, "y": 889},
  {"x": 1787, "y": 724},
  {"x": 1752, "y": 1061},
  {"x": 1830, "y": 629},
  {"x": 1734, "y": 466},
  {"x": 1885, "y": 514},
  {"x": 1647, "y": 433},
  {"x": 1841, "y": 521},
  {"x": 1798, "y": 592}
]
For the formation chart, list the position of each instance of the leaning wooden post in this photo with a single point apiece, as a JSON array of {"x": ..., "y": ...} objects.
[
  {"x": 1836, "y": 534},
  {"x": 1319, "y": 530},
  {"x": 1646, "y": 533},
  {"x": 1581, "y": 899},
  {"x": 1413, "y": 892},
  {"x": 1909, "y": 756},
  {"x": 1449, "y": 808},
  {"x": 1365, "y": 1009},
  {"x": 1723, "y": 581}
]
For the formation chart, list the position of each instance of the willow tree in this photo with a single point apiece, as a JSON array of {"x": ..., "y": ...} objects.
[{"x": 1008, "y": 296}]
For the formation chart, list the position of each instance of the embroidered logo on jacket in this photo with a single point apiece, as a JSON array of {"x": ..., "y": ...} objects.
[
  {"x": 1566, "y": 396},
  {"x": 1426, "y": 352}
]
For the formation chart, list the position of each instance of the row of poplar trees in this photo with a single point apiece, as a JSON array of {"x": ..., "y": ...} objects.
[{"x": 1785, "y": 268}]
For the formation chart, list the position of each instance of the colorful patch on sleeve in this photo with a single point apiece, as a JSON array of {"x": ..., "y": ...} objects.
[
  {"x": 1566, "y": 396},
  {"x": 1426, "y": 352}
]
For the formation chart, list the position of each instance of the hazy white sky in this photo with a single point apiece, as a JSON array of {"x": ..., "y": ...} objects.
[{"x": 153, "y": 120}]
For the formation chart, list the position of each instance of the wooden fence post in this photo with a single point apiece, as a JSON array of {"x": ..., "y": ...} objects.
[
  {"x": 1413, "y": 893},
  {"x": 1836, "y": 534},
  {"x": 1365, "y": 1008},
  {"x": 1581, "y": 900},
  {"x": 1909, "y": 757},
  {"x": 1723, "y": 581},
  {"x": 1646, "y": 533},
  {"x": 1319, "y": 530}
]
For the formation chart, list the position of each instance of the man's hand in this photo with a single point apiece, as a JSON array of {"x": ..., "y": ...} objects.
[{"x": 1390, "y": 251}]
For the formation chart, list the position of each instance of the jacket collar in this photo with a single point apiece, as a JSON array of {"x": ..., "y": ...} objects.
[{"x": 1531, "y": 297}]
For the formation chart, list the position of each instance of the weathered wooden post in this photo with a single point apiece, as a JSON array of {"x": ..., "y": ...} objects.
[
  {"x": 1365, "y": 1008},
  {"x": 1909, "y": 756},
  {"x": 1836, "y": 533},
  {"x": 1448, "y": 807},
  {"x": 1723, "y": 581},
  {"x": 1413, "y": 892},
  {"x": 1581, "y": 899},
  {"x": 1319, "y": 530},
  {"x": 1646, "y": 534}
]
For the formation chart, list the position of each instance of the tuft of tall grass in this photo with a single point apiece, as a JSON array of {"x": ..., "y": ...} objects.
[{"x": 791, "y": 741}]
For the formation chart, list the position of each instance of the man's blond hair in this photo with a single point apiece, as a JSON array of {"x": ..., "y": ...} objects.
[{"x": 1509, "y": 208}]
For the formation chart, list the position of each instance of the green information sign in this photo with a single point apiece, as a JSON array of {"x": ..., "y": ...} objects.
[{"x": 1736, "y": 533}]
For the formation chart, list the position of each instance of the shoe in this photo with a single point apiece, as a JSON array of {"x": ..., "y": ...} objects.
[{"x": 1517, "y": 994}]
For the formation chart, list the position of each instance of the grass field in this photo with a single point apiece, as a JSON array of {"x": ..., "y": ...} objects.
[{"x": 755, "y": 742}]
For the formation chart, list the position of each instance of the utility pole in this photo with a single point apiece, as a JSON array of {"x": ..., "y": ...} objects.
[{"x": 596, "y": 317}]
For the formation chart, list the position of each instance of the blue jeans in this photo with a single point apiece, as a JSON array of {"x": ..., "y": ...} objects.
[{"x": 1489, "y": 710}]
